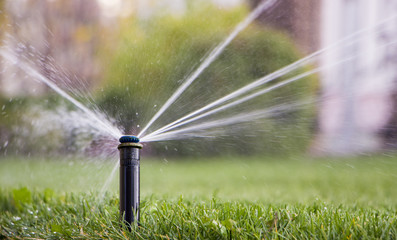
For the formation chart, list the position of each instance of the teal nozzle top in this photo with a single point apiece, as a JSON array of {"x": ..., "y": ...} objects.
[{"x": 129, "y": 139}]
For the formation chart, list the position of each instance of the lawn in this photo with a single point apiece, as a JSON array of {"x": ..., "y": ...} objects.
[{"x": 217, "y": 198}]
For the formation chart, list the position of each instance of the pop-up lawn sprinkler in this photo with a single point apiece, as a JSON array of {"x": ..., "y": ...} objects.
[{"x": 129, "y": 178}]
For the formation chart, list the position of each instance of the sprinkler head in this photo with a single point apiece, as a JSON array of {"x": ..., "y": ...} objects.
[
  {"x": 129, "y": 148},
  {"x": 129, "y": 139}
]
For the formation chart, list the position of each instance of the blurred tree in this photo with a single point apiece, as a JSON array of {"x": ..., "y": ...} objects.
[
  {"x": 155, "y": 56},
  {"x": 299, "y": 19},
  {"x": 58, "y": 37}
]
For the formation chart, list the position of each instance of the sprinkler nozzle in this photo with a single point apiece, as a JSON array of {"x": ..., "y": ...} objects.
[{"x": 130, "y": 138}]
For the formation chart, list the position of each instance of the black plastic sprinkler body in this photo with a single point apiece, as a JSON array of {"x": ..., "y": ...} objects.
[{"x": 129, "y": 178}]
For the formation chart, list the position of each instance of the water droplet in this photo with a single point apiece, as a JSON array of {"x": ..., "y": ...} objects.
[
  {"x": 138, "y": 126},
  {"x": 137, "y": 113}
]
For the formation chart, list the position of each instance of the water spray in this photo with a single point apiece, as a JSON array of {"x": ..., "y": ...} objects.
[{"x": 129, "y": 178}]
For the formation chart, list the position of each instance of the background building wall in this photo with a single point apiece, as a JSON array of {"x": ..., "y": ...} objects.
[
  {"x": 358, "y": 93},
  {"x": 356, "y": 113}
]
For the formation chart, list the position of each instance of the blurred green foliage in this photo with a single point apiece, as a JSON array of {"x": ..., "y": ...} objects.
[
  {"x": 20, "y": 122},
  {"x": 12, "y": 111},
  {"x": 156, "y": 55},
  {"x": 151, "y": 60}
]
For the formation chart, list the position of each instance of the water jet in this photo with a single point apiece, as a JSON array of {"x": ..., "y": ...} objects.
[{"x": 129, "y": 178}]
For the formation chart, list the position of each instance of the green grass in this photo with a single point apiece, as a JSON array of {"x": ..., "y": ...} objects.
[{"x": 210, "y": 199}]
